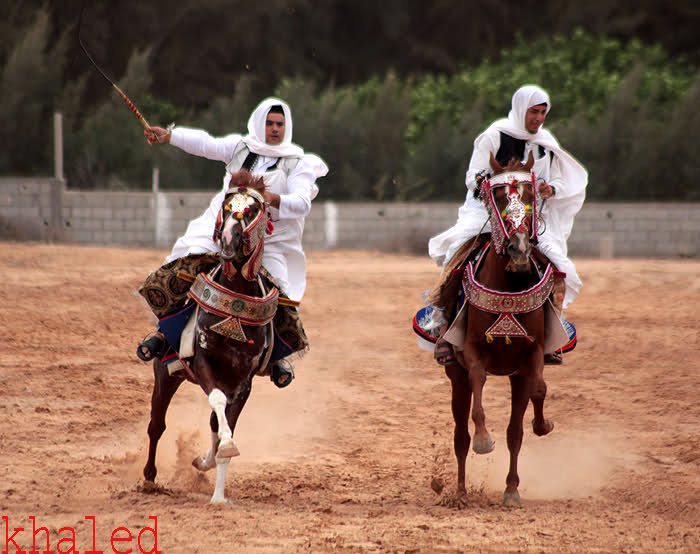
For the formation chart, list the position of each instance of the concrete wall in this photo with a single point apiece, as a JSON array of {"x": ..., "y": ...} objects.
[{"x": 43, "y": 210}]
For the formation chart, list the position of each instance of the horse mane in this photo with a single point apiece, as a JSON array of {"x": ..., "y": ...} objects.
[
  {"x": 512, "y": 165},
  {"x": 244, "y": 178}
]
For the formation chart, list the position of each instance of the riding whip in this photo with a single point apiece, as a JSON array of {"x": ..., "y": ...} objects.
[{"x": 119, "y": 91}]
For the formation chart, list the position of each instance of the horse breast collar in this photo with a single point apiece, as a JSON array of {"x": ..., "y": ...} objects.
[
  {"x": 507, "y": 304},
  {"x": 237, "y": 309}
]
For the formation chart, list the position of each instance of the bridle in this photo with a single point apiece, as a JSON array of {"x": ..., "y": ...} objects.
[
  {"x": 517, "y": 216},
  {"x": 240, "y": 204}
]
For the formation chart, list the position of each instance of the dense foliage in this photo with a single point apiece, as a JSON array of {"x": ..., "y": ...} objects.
[{"x": 390, "y": 127}]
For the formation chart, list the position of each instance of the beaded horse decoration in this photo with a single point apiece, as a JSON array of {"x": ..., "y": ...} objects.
[
  {"x": 236, "y": 308},
  {"x": 518, "y": 216}
]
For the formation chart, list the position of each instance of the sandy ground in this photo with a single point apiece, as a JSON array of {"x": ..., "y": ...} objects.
[{"x": 342, "y": 461}]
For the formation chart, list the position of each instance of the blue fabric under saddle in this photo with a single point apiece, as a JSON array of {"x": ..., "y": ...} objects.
[
  {"x": 571, "y": 331},
  {"x": 172, "y": 326},
  {"x": 424, "y": 316}
]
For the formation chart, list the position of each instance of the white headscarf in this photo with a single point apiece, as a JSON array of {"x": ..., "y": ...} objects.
[
  {"x": 573, "y": 173},
  {"x": 255, "y": 139}
]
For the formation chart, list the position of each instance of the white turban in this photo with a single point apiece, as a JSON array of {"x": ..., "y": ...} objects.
[
  {"x": 255, "y": 139},
  {"x": 523, "y": 99},
  {"x": 573, "y": 173}
]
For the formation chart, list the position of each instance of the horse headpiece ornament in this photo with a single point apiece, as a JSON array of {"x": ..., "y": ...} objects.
[
  {"x": 240, "y": 205},
  {"x": 247, "y": 206},
  {"x": 516, "y": 193}
]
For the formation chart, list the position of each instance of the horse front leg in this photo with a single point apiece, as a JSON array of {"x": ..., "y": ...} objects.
[
  {"x": 540, "y": 425},
  {"x": 461, "y": 402},
  {"x": 218, "y": 402},
  {"x": 233, "y": 411},
  {"x": 208, "y": 461},
  {"x": 520, "y": 396},
  {"x": 483, "y": 443},
  {"x": 164, "y": 388},
  {"x": 226, "y": 447}
]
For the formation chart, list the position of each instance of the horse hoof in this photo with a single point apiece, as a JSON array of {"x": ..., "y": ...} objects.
[
  {"x": 483, "y": 446},
  {"x": 511, "y": 499},
  {"x": 456, "y": 501},
  {"x": 200, "y": 462},
  {"x": 227, "y": 449},
  {"x": 220, "y": 500},
  {"x": 544, "y": 429}
]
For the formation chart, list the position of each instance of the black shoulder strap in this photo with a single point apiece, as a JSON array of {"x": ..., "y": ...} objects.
[{"x": 249, "y": 161}]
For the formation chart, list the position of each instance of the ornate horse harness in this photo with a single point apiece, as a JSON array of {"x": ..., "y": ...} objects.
[
  {"x": 238, "y": 309},
  {"x": 513, "y": 218}
]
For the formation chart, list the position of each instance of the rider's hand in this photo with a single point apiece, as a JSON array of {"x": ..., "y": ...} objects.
[
  {"x": 157, "y": 134},
  {"x": 272, "y": 199},
  {"x": 545, "y": 190}
]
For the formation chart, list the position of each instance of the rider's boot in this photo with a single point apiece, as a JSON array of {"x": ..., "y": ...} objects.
[
  {"x": 281, "y": 373},
  {"x": 153, "y": 346}
]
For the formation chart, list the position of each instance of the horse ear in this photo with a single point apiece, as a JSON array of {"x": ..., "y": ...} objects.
[
  {"x": 530, "y": 161},
  {"x": 497, "y": 168}
]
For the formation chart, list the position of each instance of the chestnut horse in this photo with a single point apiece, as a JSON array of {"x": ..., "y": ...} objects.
[
  {"x": 505, "y": 327},
  {"x": 232, "y": 331}
]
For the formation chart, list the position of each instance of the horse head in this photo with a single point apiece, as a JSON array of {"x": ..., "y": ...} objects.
[
  {"x": 241, "y": 225},
  {"x": 510, "y": 197}
]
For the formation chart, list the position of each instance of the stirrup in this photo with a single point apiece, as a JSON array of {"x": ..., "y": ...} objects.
[
  {"x": 553, "y": 359},
  {"x": 445, "y": 350},
  {"x": 152, "y": 347}
]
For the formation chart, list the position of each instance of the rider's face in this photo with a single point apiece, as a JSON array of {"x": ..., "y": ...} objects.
[
  {"x": 535, "y": 116},
  {"x": 274, "y": 128}
]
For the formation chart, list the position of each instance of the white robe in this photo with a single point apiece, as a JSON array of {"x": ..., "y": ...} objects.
[
  {"x": 564, "y": 173},
  {"x": 283, "y": 255}
]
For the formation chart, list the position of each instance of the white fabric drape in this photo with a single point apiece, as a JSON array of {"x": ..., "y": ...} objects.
[
  {"x": 283, "y": 255},
  {"x": 563, "y": 172}
]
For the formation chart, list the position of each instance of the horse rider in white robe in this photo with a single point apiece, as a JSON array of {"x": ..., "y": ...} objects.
[
  {"x": 561, "y": 181},
  {"x": 290, "y": 178}
]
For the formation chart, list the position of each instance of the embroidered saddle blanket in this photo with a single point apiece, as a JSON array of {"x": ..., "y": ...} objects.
[{"x": 560, "y": 334}]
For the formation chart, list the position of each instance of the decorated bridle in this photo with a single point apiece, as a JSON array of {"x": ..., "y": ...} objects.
[
  {"x": 516, "y": 216},
  {"x": 238, "y": 203}
]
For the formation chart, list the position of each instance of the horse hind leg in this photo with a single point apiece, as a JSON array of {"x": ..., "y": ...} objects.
[{"x": 164, "y": 388}]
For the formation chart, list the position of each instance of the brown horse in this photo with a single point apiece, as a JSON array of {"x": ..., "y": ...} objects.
[
  {"x": 232, "y": 330},
  {"x": 505, "y": 329}
]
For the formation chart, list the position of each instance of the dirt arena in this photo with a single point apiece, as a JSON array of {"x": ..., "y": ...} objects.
[{"x": 343, "y": 460}]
